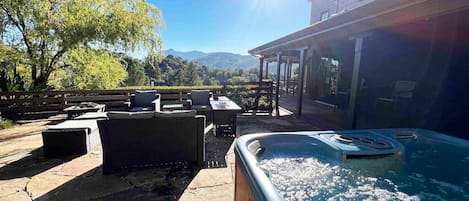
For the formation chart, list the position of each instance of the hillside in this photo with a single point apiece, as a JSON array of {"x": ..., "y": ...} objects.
[
  {"x": 217, "y": 59},
  {"x": 185, "y": 55}
]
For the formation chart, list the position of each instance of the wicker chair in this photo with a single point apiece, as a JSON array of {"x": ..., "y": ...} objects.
[
  {"x": 143, "y": 101},
  {"x": 199, "y": 100}
]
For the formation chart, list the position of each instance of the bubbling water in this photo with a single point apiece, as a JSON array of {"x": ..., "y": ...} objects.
[{"x": 310, "y": 178}]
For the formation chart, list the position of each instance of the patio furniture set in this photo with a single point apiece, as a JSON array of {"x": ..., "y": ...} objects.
[{"x": 146, "y": 134}]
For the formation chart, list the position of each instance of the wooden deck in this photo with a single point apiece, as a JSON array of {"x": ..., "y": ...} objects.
[{"x": 319, "y": 115}]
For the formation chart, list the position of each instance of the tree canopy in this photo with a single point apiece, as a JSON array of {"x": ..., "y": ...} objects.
[
  {"x": 46, "y": 36},
  {"x": 136, "y": 71},
  {"x": 92, "y": 69}
]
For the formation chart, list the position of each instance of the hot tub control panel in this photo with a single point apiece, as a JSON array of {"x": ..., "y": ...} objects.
[{"x": 361, "y": 144}]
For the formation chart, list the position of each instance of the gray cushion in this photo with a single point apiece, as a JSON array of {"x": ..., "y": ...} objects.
[
  {"x": 201, "y": 107},
  {"x": 200, "y": 97},
  {"x": 92, "y": 115},
  {"x": 130, "y": 115},
  {"x": 144, "y": 98},
  {"x": 139, "y": 109},
  {"x": 89, "y": 125},
  {"x": 177, "y": 113}
]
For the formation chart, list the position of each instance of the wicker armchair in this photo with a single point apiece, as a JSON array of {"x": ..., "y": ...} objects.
[{"x": 143, "y": 101}]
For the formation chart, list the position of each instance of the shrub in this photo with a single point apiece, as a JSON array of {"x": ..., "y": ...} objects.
[{"x": 5, "y": 124}]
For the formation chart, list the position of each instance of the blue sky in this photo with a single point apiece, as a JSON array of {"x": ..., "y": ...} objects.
[{"x": 229, "y": 25}]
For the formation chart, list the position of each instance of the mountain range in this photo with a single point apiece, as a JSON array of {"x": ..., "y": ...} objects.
[{"x": 216, "y": 59}]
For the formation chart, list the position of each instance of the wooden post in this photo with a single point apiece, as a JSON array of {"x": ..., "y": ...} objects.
[
  {"x": 285, "y": 66},
  {"x": 351, "y": 114},
  {"x": 301, "y": 76},
  {"x": 261, "y": 69},
  {"x": 277, "y": 86},
  {"x": 267, "y": 70},
  {"x": 256, "y": 101},
  {"x": 288, "y": 77}
]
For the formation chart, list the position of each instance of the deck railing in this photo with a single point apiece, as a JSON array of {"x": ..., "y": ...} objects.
[{"x": 38, "y": 101}]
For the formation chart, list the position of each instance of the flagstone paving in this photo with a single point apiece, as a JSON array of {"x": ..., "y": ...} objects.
[{"x": 25, "y": 174}]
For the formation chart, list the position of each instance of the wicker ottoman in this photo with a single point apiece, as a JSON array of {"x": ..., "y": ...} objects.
[{"x": 72, "y": 137}]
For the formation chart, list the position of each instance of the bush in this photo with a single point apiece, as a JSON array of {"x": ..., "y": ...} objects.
[
  {"x": 5, "y": 124},
  {"x": 242, "y": 96}
]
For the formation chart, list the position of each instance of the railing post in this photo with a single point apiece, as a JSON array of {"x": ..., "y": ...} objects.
[
  {"x": 64, "y": 95},
  {"x": 271, "y": 91}
]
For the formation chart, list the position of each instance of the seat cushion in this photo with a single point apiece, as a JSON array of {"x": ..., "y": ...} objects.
[
  {"x": 201, "y": 107},
  {"x": 200, "y": 97},
  {"x": 144, "y": 98},
  {"x": 92, "y": 115},
  {"x": 140, "y": 109},
  {"x": 130, "y": 115},
  {"x": 89, "y": 125},
  {"x": 176, "y": 113}
]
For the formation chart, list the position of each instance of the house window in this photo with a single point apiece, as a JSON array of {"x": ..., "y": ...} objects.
[{"x": 324, "y": 16}]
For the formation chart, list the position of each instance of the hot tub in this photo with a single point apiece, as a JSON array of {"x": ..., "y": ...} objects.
[{"x": 381, "y": 164}]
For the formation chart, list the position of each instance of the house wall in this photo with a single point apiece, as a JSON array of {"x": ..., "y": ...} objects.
[
  {"x": 333, "y": 7},
  {"x": 452, "y": 98},
  {"x": 430, "y": 52},
  {"x": 389, "y": 55}
]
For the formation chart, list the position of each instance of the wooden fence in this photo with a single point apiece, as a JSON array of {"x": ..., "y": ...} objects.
[{"x": 39, "y": 101}]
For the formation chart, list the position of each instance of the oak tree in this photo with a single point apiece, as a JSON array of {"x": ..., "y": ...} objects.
[{"x": 46, "y": 31}]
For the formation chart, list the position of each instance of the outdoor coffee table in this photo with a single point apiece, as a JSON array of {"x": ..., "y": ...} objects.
[
  {"x": 224, "y": 115},
  {"x": 76, "y": 110}
]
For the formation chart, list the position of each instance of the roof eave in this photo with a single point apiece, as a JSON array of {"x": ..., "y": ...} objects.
[{"x": 364, "y": 16}]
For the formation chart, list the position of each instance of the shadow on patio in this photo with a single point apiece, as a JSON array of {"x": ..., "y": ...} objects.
[
  {"x": 158, "y": 183},
  {"x": 30, "y": 165}
]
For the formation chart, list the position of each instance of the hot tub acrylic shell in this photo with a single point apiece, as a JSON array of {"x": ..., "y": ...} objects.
[{"x": 253, "y": 183}]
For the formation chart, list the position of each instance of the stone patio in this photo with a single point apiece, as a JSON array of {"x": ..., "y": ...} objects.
[{"x": 26, "y": 175}]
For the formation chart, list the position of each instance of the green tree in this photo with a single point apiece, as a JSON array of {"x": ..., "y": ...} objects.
[
  {"x": 10, "y": 78},
  {"x": 174, "y": 77},
  {"x": 46, "y": 31},
  {"x": 207, "y": 81},
  {"x": 152, "y": 69},
  {"x": 10, "y": 83},
  {"x": 190, "y": 74},
  {"x": 97, "y": 69},
  {"x": 137, "y": 76}
]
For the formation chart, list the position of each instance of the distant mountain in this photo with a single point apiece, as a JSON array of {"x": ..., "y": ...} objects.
[
  {"x": 185, "y": 55},
  {"x": 217, "y": 59}
]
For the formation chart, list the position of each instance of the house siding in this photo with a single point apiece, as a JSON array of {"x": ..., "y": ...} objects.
[{"x": 320, "y": 6}]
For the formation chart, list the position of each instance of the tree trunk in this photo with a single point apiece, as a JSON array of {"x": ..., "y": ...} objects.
[
  {"x": 39, "y": 83},
  {"x": 33, "y": 73}
]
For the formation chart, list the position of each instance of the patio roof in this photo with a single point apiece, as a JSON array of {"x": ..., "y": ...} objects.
[{"x": 380, "y": 13}]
